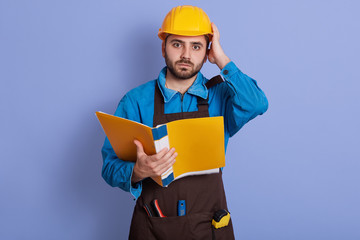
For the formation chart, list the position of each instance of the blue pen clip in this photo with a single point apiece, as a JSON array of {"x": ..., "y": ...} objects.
[{"x": 181, "y": 208}]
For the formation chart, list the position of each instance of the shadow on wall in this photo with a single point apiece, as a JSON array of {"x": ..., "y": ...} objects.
[
  {"x": 106, "y": 210},
  {"x": 143, "y": 60}
]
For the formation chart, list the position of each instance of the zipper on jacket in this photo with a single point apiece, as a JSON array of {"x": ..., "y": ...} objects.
[{"x": 182, "y": 98}]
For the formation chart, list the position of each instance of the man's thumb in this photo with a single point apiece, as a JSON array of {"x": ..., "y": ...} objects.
[{"x": 139, "y": 146}]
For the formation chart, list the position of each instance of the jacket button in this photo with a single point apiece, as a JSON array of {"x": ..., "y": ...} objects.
[{"x": 225, "y": 72}]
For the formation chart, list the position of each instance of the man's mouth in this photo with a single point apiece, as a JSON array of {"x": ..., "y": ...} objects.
[{"x": 184, "y": 64}]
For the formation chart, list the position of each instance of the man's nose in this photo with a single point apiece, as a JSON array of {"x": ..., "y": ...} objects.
[{"x": 186, "y": 53}]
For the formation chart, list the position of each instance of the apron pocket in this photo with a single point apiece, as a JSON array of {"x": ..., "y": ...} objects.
[
  {"x": 224, "y": 233},
  {"x": 169, "y": 227},
  {"x": 194, "y": 226},
  {"x": 200, "y": 224}
]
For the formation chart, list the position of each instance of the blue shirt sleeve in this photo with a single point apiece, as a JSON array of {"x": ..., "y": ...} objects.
[
  {"x": 116, "y": 172},
  {"x": 245, "y": 101},
  {"x": 239, "y": 100}
]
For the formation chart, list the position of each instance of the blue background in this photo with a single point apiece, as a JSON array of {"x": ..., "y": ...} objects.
[{"x": 292, "y": 173}]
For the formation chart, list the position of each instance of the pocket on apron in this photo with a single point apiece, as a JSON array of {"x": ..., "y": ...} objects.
[
  {"x": 194, "y": 226},
  {"x": 224, "y": 233},
  {"x": 169, "y": 227},
  {"x": 200, "y": 224}
]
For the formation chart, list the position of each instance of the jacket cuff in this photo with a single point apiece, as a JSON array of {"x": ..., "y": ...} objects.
[
  {"x": 136, "y": 188},
  {"x": 229, "y": 70}
]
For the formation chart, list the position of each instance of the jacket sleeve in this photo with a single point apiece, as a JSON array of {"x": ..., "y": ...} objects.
[
  {"x": 116, "y": 172},
  {"x": 244, "y": 100}
]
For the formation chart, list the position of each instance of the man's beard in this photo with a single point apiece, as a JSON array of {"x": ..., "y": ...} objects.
[{"x": 183, "y": 73}]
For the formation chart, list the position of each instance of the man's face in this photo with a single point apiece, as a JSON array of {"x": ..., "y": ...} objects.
[{"x": 184, "y": 55}]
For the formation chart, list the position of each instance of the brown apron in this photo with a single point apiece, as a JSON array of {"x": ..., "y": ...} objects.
[{"x": 204, "y": 194}]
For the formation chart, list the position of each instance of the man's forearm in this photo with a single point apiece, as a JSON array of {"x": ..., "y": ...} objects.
[{"x": 222, "y": 61}]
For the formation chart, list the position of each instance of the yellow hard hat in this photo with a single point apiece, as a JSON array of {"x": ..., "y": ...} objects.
[{"x": 186, "y": 21}]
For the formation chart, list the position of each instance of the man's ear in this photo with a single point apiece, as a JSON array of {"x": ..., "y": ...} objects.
[
  {"x": 206, "y": 55},
  {"x": 163, "y": 48}
]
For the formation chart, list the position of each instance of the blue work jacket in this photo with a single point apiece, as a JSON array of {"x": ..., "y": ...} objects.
[{"x": 238, "y": 99}]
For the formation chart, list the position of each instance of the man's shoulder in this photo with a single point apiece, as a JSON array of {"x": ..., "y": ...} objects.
[{"x": 142, "y": 90}]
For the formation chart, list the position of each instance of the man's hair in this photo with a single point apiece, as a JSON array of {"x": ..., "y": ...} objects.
[{"x": 207, "y": 39}]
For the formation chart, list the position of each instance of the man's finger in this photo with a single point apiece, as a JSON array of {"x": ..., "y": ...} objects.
[
  {"x": 163, "y": 167},
  {"x": 170, "y": 162},
  {"x": 215, "y": 31},
  {"x": 169, "y": 153},
  {"x": 139, "y": 146},
  {"x": 160, "y": 154}
]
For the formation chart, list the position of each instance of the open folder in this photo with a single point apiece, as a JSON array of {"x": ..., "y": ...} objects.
[{"x": 199, "y": 143}]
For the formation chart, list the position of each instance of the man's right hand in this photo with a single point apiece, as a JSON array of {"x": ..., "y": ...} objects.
[{"x": 152, "y": 165}]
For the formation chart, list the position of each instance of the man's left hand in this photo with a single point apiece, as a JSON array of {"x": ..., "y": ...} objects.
[{"x": 216, "y": 54}]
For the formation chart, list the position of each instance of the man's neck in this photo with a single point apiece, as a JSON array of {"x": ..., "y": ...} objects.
[{"x": 180, "y": 85}]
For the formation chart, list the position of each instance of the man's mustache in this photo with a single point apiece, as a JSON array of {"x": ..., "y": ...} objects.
[{"x": 185, "y": 61}]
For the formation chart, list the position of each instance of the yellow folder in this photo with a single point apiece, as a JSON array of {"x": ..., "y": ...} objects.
[{"x": 199, "y": 143}]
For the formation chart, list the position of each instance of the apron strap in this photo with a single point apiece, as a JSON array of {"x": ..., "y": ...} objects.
[
  {"x": 213, "y": 81},
  {"x": 159, "y": 106},
  {"x": 158, "y": 101},
  {"x": 203, "y": 104}
]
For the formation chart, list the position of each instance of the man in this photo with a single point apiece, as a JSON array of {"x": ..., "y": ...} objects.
[{"x": 181, "y": 92}]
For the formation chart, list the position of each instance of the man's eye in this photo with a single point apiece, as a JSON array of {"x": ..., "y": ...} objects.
[
  {"x": 196, "y": 47},
  {"x": 176, "y": 45}
]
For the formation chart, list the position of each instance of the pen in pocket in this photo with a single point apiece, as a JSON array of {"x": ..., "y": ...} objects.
[
  {"x": 157, "y": 210},
  {"x": 147, "y": 209},
  {"x": 181, "y": 208}
]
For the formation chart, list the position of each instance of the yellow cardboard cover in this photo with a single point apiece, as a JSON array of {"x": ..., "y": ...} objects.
[
  {"x": 199, "y": 142},
  {"x": 121, "y": 133}
]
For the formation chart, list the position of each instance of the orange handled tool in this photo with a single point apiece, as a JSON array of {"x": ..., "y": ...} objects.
[{"x": 157, "y": 210}]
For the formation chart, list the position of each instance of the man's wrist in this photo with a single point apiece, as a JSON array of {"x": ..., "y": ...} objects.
[
  {"x": 135, "y": 178},
  {"x": 223, "y": 61}
]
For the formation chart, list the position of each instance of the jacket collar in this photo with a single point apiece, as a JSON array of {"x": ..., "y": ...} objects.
[{"x": 198, "y": 88}]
